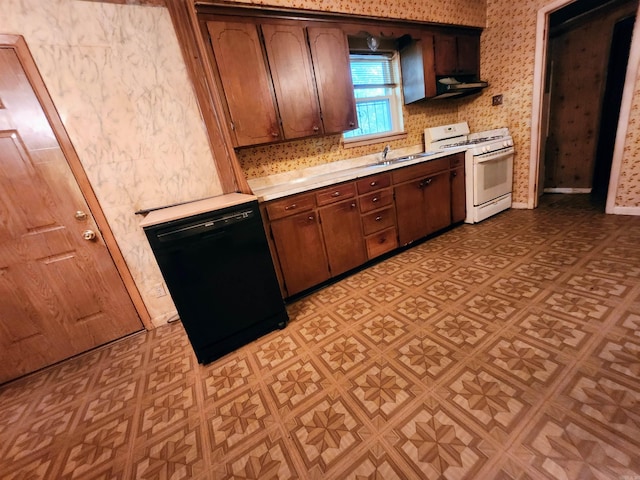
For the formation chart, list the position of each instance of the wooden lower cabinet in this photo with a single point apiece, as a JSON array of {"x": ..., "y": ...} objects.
[
  {"x": 458, "y": 195},
  {"x": 423, "y": 206},
  {"x": 323, "y": 233},
  {"x": 343, "y": 238},
  {"x": 300, "y": 246}
]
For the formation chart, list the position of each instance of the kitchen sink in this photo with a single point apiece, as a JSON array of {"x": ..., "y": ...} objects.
[{"x": 394, "y": 161}]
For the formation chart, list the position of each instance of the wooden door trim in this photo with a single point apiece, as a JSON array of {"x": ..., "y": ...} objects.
[
  {"x": 208, "y": 95},
  {"x": 19, "y": 45}
]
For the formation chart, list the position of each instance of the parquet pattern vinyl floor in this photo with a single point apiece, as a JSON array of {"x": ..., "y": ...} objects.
[{"x": 509, "y": 349}]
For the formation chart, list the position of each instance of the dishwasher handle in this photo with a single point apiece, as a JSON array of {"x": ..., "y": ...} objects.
[{"x": 202, "y": 227}]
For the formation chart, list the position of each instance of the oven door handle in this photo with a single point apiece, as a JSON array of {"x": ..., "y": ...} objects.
[{"x": 492, "y": 158}]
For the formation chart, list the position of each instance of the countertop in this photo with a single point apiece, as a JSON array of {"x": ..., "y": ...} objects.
[
  {"x": 189, "y": 209},
  {"x": 289, "y": 183}
]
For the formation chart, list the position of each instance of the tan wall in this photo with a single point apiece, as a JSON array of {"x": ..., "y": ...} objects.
[
  {"x": 507, "y": 53},
  {"x": 117, "y": 78}
]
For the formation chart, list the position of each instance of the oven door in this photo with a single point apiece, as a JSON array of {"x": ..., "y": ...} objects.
[{"x": 493, "y": 175}]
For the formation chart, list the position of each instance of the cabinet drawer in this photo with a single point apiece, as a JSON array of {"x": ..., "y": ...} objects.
[
  {"x": 420, "y": 170},
  {"x": 335, "y": 193},
  {"x": 374, "y": 182},
  {"x": 375, "y": 200},
  {"x": 375, "y": 221},
  {"x": 381, "y": 242},
  {"x": 456, "y": 160},
  {"x": 290, "y": 205}
]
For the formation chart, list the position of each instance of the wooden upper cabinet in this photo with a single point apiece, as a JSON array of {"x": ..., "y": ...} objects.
[
  {"x": 457, "y": 54},
  {"x": 330, "y": 54},
  {"x": 292, "y": 75},
  {"x": 418, "y": 73},
  {"x": 245, "y": 80}
]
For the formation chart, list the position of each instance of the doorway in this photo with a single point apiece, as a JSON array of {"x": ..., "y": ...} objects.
[
  {"x": 587, "y": 54},
  {"x": 60, "y": 291},
  {"x": 580, "y": 149}
]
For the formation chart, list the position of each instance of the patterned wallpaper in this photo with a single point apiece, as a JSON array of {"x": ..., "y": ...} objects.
[
  {"x": 116, "y": 76},
  {"x": 507, "y": 53}
]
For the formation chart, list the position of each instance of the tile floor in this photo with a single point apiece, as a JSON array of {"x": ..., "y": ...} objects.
[{"x": 504, "y": 350}]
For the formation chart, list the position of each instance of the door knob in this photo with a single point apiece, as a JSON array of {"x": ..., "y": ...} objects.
[
  {"x": 89, "y": 235},
  {"x": 80, "y": 215}
]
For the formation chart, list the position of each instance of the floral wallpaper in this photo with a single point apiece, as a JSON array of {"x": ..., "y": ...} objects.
[{"x": 507, "y": 55}]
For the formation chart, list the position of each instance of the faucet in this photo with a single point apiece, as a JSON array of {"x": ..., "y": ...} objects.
[{"x": 385, "y": 152}]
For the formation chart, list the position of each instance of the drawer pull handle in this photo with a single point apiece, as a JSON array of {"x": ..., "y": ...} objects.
[
  {"x": 425, "y": 182},
  {"x": 373, "y": 184},
  {"x": 382, "y": 240},
  {"x": 375, "y": 199},
  {"x": 291, "y": 207},
  {"x": 335, "y": 194},
  {"x": 275, "y": 134},
  {"x": 378, "y": 218}
]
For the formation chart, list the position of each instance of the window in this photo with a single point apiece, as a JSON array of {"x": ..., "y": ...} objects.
[{"x": 377, "y": 92}]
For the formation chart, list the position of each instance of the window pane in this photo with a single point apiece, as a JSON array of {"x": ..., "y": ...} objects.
[
  {"x": 373, "y": 117},
  {"x": 371, "y": 92},
  {"x": 371, "y": 70}
]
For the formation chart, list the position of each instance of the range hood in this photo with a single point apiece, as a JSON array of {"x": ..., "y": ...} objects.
[{"x": 449, "y": 87}]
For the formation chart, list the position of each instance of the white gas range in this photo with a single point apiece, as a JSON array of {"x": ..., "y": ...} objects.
[{"x": 488, "y": 166}]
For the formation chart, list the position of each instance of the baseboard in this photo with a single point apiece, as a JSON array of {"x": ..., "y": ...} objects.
[
  {"x": 625, "y": 211},
  {"x": 567, "y": 190},
  {"x": 519, "y": 205}
]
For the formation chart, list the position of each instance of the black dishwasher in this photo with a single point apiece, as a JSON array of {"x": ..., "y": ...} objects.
[{"x": 218, "y": 269}]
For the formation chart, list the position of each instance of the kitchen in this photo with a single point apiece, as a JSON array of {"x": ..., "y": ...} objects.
[
  {"x": 133, "y": 165},
  {"x": 138, "y": 131}
]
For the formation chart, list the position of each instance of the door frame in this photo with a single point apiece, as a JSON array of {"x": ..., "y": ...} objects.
[
  {"x": 18, "y": 43},
  {"x": 539, "y": 72}
]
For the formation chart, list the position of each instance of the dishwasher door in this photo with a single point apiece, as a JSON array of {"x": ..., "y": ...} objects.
[{"x": 219, "y": 271}]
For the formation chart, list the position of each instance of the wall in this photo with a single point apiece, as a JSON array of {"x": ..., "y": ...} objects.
[
  {"x": 117, "y": 78},
  {"x": 507, "y": 53}
]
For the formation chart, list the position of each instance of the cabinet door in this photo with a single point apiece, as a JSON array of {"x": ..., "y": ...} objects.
[
  {"x": 330, "y": 54},
  {"x": 458, "y": 195},
  {"x": 298, "y": 241},
  {"x": 423, "y": 207},
  {"x": 245, "y": 81},
  {"x": 292, "y": 76},
  {"x": 446, "y": 54},
  {"x": 343, "y": 238},
  {"x": 468, "y": 54},
  {"x": 411, "y": 212}
]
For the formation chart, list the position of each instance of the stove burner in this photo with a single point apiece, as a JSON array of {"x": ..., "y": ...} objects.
[{"x": 473, "y": 141}]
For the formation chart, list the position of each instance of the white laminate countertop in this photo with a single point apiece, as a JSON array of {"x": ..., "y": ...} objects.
[
  {"x": 289, "y": 183},
  {"x": 189, "y": 209}
]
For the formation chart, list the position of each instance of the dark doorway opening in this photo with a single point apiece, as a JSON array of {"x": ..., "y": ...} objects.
[{"x": 616, "y": 71}]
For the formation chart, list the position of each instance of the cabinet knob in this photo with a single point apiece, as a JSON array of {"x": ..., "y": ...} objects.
[
  {"x": 275, "y": 134},
  {"x": 311, "y": 217},
  {"x": 454, "y": 174},
  {"x": 353, "y": 205},
  {"x": 316, "y": 128},
  {"x": 335, "y": 194},
  {"x": 352, "y": 124},
  {"x": 378, "y": 218},
  {"x": 291, "y": 207},
  {"x": 373, "y": 184},
  {"x": 375, "y": 199},
  {"x": 382, "y": 240}
]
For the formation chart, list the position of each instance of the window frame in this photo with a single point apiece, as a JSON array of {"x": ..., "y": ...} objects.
[{"x": 395, "y": 103}]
